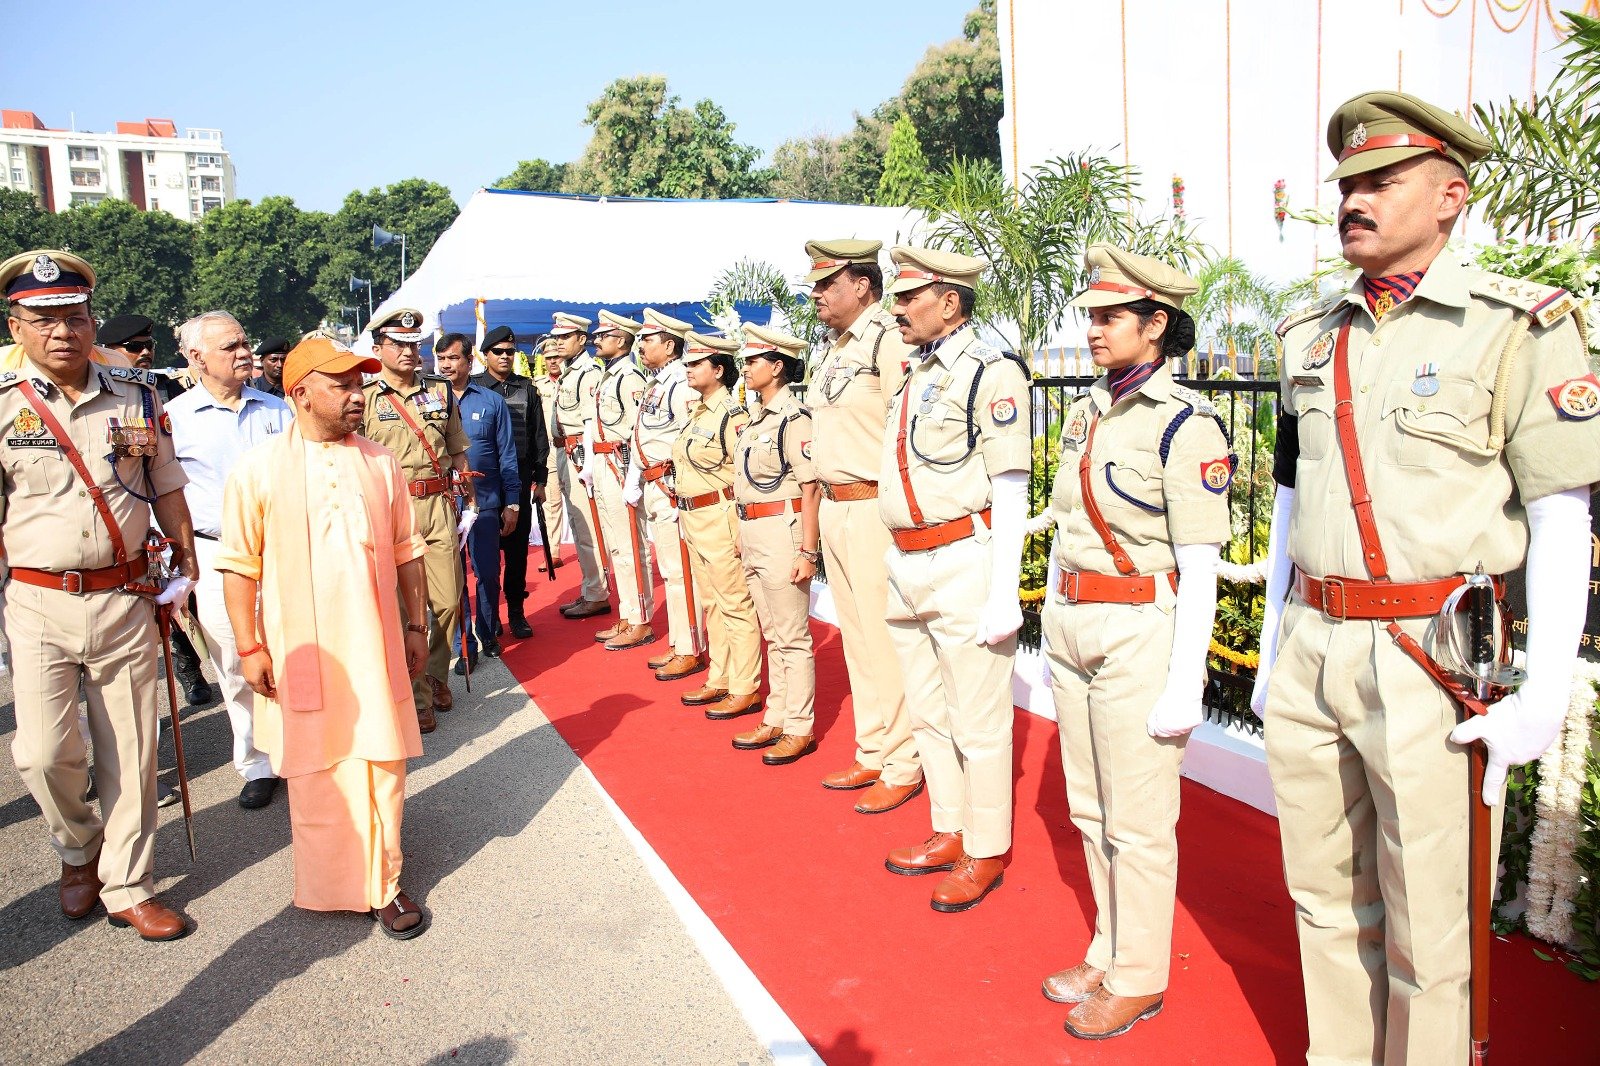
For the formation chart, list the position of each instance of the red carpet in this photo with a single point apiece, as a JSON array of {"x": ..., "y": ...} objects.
[{"x": 868, "y": 971}]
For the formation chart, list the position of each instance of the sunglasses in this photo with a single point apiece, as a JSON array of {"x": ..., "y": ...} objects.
[
  {"x": 507, "y": 352},
  {"x": 138, "y": 347}
]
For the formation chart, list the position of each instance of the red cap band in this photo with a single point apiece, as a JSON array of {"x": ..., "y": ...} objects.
[{"x": 1397, "y": 140}]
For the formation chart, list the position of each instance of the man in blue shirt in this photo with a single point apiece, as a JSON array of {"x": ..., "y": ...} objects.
[
  {"x": 492, "y": 456},
  {"x": 213, "y": 424}
]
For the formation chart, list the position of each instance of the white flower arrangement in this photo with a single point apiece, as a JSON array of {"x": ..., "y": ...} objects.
[{"x": 1553, "y": 872}]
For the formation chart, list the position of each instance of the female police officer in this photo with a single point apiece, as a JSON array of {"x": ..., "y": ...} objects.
[{"x": 1140, "y": 509}]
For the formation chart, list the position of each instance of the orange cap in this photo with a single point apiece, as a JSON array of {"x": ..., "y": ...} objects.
[{"x": 323, "y": 354}]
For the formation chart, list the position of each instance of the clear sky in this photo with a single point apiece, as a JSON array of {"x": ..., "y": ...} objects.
[{"x": 317, "y": 99}]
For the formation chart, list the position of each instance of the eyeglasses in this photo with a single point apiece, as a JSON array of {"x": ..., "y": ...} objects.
[
  {"x": 386, "y": 339},
  {"x": 137, "y": 347},
  {"x": 507, "y": 352},
  {"x": 47, "y": 326}
]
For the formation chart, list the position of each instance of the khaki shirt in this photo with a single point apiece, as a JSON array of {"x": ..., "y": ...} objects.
[
  {"x": 1148, "y": 504},
  {"x": 617, "y": 400},
  {"x": 950, "y": 477},
  {"x": 547, "y": 396},
  {"x": 702, "y": 456},
  {"x": 1422, "y": 382},
  {"x": 575, "y": 409},
  {"x": 663, "y": 412},
  {"x": 773, "y": 457},
  {"x": 432, "y": 404},
  {"x": 47, "y": 519},
  {"x": 852, "y": 386}
]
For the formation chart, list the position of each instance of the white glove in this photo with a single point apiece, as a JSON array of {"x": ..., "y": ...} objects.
[
  {"x": 1277, "y": 591},
  {"x": 632, "y": 484},
  {"x": 586, "y": 471},
  {"x": 464, "y": 527},
  {"x": 1039, "y": 522},
  {"x": 1178, "y": 708},
  {"x": 1002, "y": 614},
  {"x": 1052, "y": 578},
  {"x": 1521, "y": 727},
  {"x": 177, "y": 591}
]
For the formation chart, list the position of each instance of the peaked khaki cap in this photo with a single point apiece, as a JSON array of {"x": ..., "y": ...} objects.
[
  {"x": 403, "y": 324},
  {"x": 1121, "y": 277},
  {"x": 1377, "y": 129},
  {"x": 764, "y": 340},
  {"x": 699, "y": 346},
  {"x": 46, "y": 277},
  {"x": 565, "y": 323},
  {"x": 609, "y": 322},
  {"x": 656, "y": 322},
  {"x": 830, "y": 257},
  {"x": 925, "y": 266}
]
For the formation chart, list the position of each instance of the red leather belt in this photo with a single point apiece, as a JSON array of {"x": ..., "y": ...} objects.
[
  {"x": 851, "y": 490},
  {"x": 77, "y": 582},
  {"x": 924, "y": 538},
  {"x": 604, "y": 447},
  {"x": 1082, "y": 587},
  {"x": 570, "y": 441},
  {"x": 423, "y": 487},
  {"x": 748, "y": 511},
  {"x": 705, "y": 499},
  {"x": 656, "y": 471},
  {"x": 1343, "y": 597}
]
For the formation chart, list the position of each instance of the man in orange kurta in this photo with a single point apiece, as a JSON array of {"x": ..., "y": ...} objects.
[{"x": 317, "y": 521}]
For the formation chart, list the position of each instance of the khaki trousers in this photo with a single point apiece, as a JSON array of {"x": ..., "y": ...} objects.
[
  {"x": 436, "y": 521},
  {"x": 770, "y": 546},
  {"x": 109, "y": 642},
  {"x": 730, "y": 613},
  {"x": 576, "y": 503},
  {"x": 555, "y": 512},
  {"x": 959, "y": 691},
  {"x": 344, "y": 831},
  {"x": 1108, "y": 666},
  {"x": 854, "y": 540},
  {"x": 662, "y": 514},
  {"x": 627, "y": 570},
  {"x": 1356, "y": 743}
]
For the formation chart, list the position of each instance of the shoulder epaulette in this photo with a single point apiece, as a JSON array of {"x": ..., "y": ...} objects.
[
  {"x": 984, "y": 353},
  {"x": 1545, "y": 304},
  {"x": 1306, "y": 314},
  {"x": 8, "y": 378},
  {"x": 132, "y": 373},
  {"x": 1194, "y": 399}
]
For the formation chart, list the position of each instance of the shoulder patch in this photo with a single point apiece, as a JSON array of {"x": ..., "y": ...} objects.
[
  {"x": 1545, "y": 304},
  {"x": 1306, "y": 314},
  {"x": 1577, "y": 400},
  {"x": 132, "y": 373}
]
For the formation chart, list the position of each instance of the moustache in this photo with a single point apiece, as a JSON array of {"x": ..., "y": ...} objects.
[
  {"x": 1351, "y": 219},
  {"x": 901, "y": 320}
]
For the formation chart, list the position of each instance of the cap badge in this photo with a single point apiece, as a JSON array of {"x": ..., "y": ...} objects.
[
  {"x": 45, "y": 269},
  {"x": 1094, "y": 276},
  {"x": 1358, "y": 136},
  {"x": 408, "y": 320}
]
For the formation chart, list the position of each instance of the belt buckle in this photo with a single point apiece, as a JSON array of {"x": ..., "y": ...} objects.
[
  {"x": 72, "y": 582},
  {"x": 1333, "y": 587},
  {"x": 741, "y": 509},
  {"x": 827, "y": 490},
  {"x": 1070, "y": 585}
]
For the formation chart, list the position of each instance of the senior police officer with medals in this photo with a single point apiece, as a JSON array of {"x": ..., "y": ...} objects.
[
  {"x": 575, "y": 410},
  {"x": 415, "y": 416},
  {"x": 1140, "y": 512},
  {"x": 1433, "y": 423},
  {"x": 956, "y": 455},
  {"x": 663, "y": 412},
  {"x": 776, "y": 496},
  {"x": 87, "y": 459},
  {"x": 852, "y": 386},
  {"x": 702, "y": 477},
  {"x": 609, "y": 438}
]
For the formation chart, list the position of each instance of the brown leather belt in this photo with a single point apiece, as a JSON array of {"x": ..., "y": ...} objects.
[
  {"x": 1343, "y": 597},
  {"x": 570, "y": 441},
  {"x": 851, "y": 490},
  {"x": 925, "y": 538},
  {"x": 605, "y": 447},
  {"x": 705, "y": 499},
  {"x": 77, "y": 582},
  {"x": 1083, "y": 587},
  {"x": 656, "y": 471},
  {"x": 423, "y": 487},
  {"x": 748, "y": 511}
]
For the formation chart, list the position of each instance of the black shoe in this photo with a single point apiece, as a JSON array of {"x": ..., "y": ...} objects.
[
  {"x": 257, "y": 793},
  {"x": 199, "y": 693},
  {"x": 521, "y": 629},
  {"x": 461, "y": 665},
  {"x": 166, "y": 795},
  {"x": 492, "y": 649}
]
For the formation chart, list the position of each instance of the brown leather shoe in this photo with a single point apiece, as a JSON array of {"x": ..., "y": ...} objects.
[
  {"x": 934, "y": 855},
  {"x": 702, "y": 695},
  {"x": 587, "y": 608},
  {"x": 570, "y": 604},
  {"x": 732, "y": 706},
  {"x": 1103, "y": 1015},
  {"x": 401, "y": 919},
  {"x": 857, "y": 776},
  {"x": 762, "y": 736},
  {"x": 678, "y": 667},
  {"x": 1073, "y": 986},
  {"x": 656, "y": 662},
  {"x": 881, "y": 797},
  {"x": 442, "y": 698},
  {"x": 635, "y": 636},
  {"x": 80, "y": 888},
  {"x": 610, "y": 631},
  {"x": 967, "y": 884},
  {"x": 789, "y": 749},
  {"x": 152, "y": 919},
  {"x": 426, "y": 722}
]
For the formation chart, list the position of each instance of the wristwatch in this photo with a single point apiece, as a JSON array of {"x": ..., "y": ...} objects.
[
  {"x": 813, "y": 556},
  {"x": 416, "y": 627}
]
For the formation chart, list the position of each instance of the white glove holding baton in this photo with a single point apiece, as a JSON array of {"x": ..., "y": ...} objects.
[
  {"x": 1179, "y": 707},
  {"x": 464, "y": 527},
  {"x": 633, "y": 487},
  {"x": 586, "y": 471}
]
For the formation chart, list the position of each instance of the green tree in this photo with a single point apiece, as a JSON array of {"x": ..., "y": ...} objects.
[
  {"x": 142, "y": 261},
  {"x": 955, "y": 95},
  {"x": 904, "y": 167},
  {"x": 422, "y": 210},
  {"x": 24, "y": 225},
  {"x": 535, "y": 175},
  {"x": 809, "y": 168},
  {"x": 260, "y": 263}
]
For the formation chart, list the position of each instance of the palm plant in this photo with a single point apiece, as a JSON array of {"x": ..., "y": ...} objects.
[
  {"x": 1236, "y": 308},
  {"x": 753, "y": 281}
]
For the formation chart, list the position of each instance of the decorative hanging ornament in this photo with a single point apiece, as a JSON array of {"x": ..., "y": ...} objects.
[
  {"x": 1280, "y": 204},
  {"x": 1177, "y": 196}
]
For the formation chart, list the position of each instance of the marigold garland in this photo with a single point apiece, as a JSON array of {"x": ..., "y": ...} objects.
[{"x": 1248, "y": 659}]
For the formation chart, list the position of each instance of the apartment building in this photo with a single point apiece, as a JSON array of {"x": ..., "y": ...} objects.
[{"x": 146, "y": 163}]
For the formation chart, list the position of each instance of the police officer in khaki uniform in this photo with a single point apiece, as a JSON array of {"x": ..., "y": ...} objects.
[
  {"x": 955, "y": 456},
  {"x": 852, "y": 385},
  {"x": 663, "y": 412},
  {"x": 546, "y": 375},
  {"x": 415, "y": 416},
  {"x": 1461, "y": 405},
  {"x": 775, "y": 490},
  {"x": 622, "y": 526},
  {"x": 702, "y": 475},
  {"x": 69, "y": 428},
  {"x": 1140, "y": 509},
  {"x": 575, "y": 411}
]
